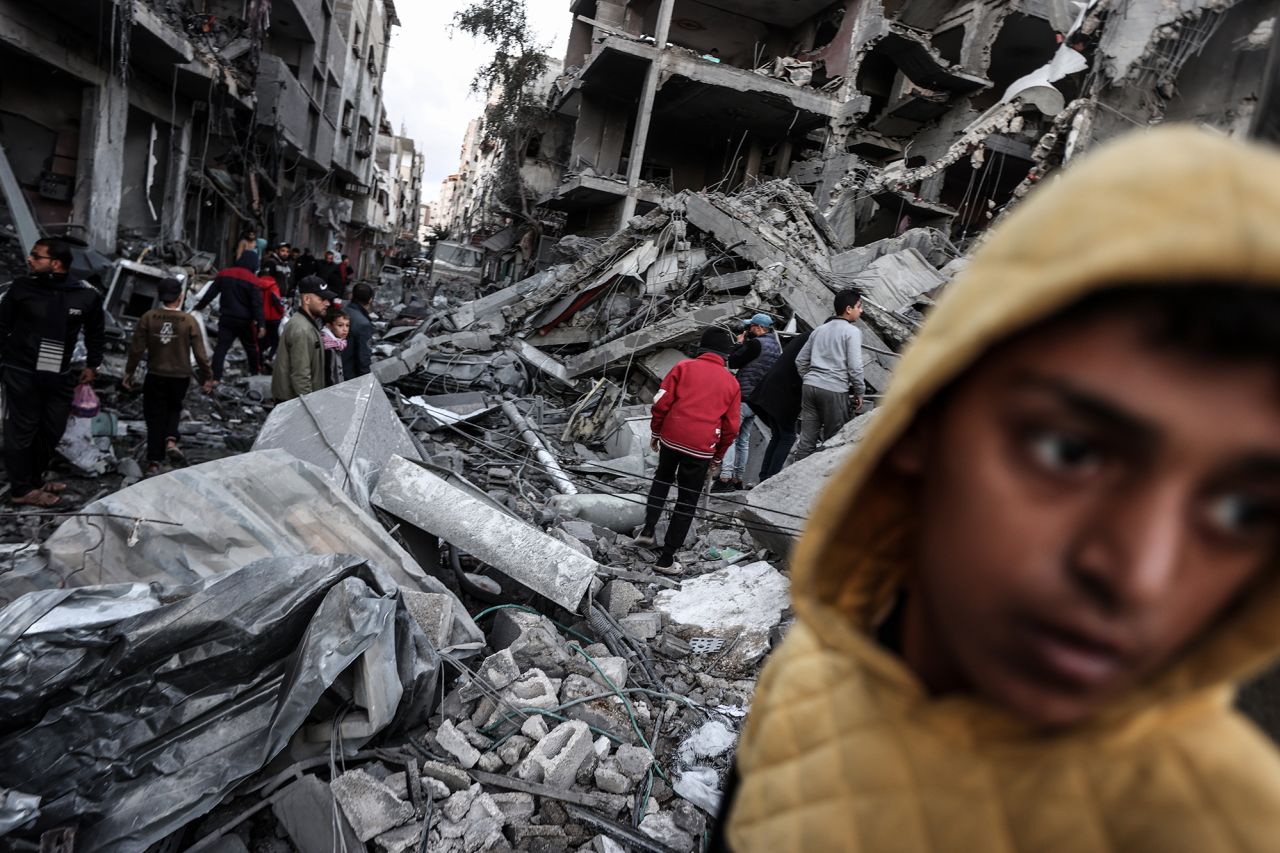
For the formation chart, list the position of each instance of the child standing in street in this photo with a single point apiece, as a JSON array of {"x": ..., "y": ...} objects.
[
  {"x": 333, "y": 336},
  {"x": 168, "y": 336}
]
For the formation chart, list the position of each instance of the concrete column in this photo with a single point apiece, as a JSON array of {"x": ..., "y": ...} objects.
[
  {"x": 644, "y": 114},
  {"x": 755, "y": 158},
  {"x": 104, "y": 116},
  {"x": 175, "y": 190}
]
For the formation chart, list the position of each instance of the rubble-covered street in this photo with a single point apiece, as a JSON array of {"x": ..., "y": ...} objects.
[{"x": 409, "y": 611}]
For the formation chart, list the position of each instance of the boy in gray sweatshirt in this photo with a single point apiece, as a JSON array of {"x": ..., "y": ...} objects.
[{"x": 831, "y": 366}]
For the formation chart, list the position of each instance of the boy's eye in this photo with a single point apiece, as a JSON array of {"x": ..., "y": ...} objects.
[
  {"x": 1237, "y": 514},
  {"x": 1063, "y": 453}
]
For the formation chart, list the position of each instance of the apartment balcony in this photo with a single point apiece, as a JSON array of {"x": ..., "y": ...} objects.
[{"x": 285, "y": 106}]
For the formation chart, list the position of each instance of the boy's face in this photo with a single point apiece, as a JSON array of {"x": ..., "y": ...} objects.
[{"x": 1089, "y": 505}]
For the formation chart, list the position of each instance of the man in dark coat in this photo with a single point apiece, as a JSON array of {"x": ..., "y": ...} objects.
[
  {"x": 239, "y": 312},
  {"x": 776, "y": 401},
  {"x": 41, "y": 317},
  {"x": 357, "y": 358}
]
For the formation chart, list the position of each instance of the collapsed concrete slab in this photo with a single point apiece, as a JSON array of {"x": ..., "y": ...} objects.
[
  {"x": 682, "y": 327},
  {"x": 348, "y": 431},
  {"x": 776, "y": 510},
  {"x": 513, "y": 547},
  {"x": 741, "y": 603}
]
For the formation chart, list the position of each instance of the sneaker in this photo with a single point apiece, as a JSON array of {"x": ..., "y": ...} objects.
[
  {"x": 671, "y": 568},
  {"x": 646, "y": 539},
  {"x": 175, "y": 454},
  {"x": 723, "y": 486}
]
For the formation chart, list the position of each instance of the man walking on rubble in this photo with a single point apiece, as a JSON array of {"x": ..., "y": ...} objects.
[
  {"x": 831, "y": 365},
  {"x": 776, "y": 401},
  {"x": 277, "y": 266},
  {"x": 169, "y": 337},
  {"x": 357, "y": 358},
  {"x": 239, "y": 312},
  {"x": 755, "y": 354},
  {"x": 695, "y": 419},
  {"x": 41, "y": 316},
  {"x": 299, "y": 367}
]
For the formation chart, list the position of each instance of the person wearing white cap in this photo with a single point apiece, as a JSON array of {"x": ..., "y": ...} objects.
[{"x": 757, "y": 350}]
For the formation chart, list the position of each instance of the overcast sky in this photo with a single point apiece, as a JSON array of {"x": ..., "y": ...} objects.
[{"x": 428, "y": 79}]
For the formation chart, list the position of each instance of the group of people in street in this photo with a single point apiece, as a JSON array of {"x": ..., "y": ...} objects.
[
  {"x": 702, "y": 410},
  {"x": 43, "y": 315}
]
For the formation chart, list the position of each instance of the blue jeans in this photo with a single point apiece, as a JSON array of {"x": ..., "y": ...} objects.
[{"x": 741, "y": 446}]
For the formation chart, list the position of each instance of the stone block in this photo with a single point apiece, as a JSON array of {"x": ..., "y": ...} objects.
[
  {"x": 454, "y": 777},
  {"x": 620, "y": 598},
  {"x": 532, "y": 639},
  {"x": 610, "y": 779},
  {"x": 662, "y": 828},
  {"x": 613, "y": 667},
  {"x": 532, "y": 690},
  {"x": 456, "y": 744},
  {"x": 497, "y": 670},
  {"x": 644, "y": 625},
  {"x": 401, "y": 840},
  {"x": 633, "y": 761},
  {"x": 369, "y": 804},
  {"x": 456, "y": 807},
  {"x": 535, "y": 728},
  {"x": 516, "y": 807},
  {"x": 514, "y": 750},
  {"x": 490, "y": 762},
  {"x": 433, "y": 612},
  {"x": 556, "y": 758}
]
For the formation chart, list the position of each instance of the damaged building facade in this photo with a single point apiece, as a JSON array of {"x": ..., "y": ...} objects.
[
  {"x": 164, "y": 128},
  {"x": 889, "y": 114}
]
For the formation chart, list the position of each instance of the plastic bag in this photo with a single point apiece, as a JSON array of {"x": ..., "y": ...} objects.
[{"x": 85, "y": 402}]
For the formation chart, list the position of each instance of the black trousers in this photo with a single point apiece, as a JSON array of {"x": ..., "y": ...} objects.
[
  {"x": 231, "y": 330},
  {"x": 37, "y": 406},
  {"x": 688, "y": 474},
  {"x": 162, "y": 398},
  {"x": 782, "y": 439}
]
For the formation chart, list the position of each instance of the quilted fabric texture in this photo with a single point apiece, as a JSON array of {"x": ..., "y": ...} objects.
[{"x": 843, "y": 750}]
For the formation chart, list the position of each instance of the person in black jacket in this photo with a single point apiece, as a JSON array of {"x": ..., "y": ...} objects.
[
  {"x": 357, "y": 358},
  {"x": 776, "y": 401},
  {"x": 277, "y": 266},
  {"x": 41, "y": 316},
  {"x": 239, "y": 312}
]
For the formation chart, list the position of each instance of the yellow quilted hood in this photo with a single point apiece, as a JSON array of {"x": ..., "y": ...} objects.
[{"x": 1160, "y": 206}]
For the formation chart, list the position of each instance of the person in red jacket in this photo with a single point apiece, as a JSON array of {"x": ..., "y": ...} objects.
[
  {"x": 272, "y": 314},
  {"x": 696, "y": 417}
]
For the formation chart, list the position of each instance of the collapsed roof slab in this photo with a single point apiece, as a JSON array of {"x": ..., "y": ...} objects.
[
  {"x": 914, "y": 54},
  {"x": 665, "y": 333},
  {"x": 584, "y": 192}
]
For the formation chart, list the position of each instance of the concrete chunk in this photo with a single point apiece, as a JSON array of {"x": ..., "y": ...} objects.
[
  {"x": 433, "y": 612},
  {"x": 497, "y": 671},
  {"x": 518, "y": 550},
  {"x": 532, "y": 640},
  {"x": 369, "y": 804},
  {"x": 556, "y": 758},
  {"x": 661, "y": 827},
  {"x": 743, "y": 603},
  {"x": 455, "y": 777},
  {"x": 455, "y": 743},
  {"x": 515, "y": 806}
]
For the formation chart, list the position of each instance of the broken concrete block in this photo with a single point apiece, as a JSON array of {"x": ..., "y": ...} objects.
[
  {"x": 743, "y": 603},
  {"x": 575, "y": 544},
  {"x": 490, "y": 762},
  {"x": 601, "y": 747},
  {"x": 513, "y": 547},
  {"x": 455, "y": 743},
  {"x": 479, "y": 741},
  {"x": 532, "y": 640},
  {"x": 532, "y": 691},
  {"x": 390, "y": 370},
  {"x": 516, "y": 806},
  {"x": 535, "y": 728},
  {"x": 661, "y": 827},
  {"x": 455, "y": 777},
  {"x": 497, "y": 671},
  {"x": 369, "y": 804},
  {"x": 556, "y": 758},
  {"x": 614, "y": 668},
  {"x": 438, "y": 790},
  {"x": 434, "y": 614},
  {"x": 484, "y": 824},
  {"x": 620, "y": 598},
  {"x": 607, "y": 713},
  {"x": 633, "y": 761},
  {"x": 642, "y": 626},
  {"x": 296, "y": 809},
  {"x": 400, "y": 840},
  {"x": 610, "y": 779},
  {"x": 456, "y": 807},
  {"x": 514, "y": 750}
]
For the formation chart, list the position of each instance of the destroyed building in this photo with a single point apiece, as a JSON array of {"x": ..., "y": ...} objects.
[{"x": 161, "y": 129}]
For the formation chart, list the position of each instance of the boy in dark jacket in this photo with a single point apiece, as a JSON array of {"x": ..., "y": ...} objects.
[
  {"x": 41, "y": 316},
  {"x": 696, "y": 416},
  {"x": 169, "y": 337},
  {"x": 776, "y": 401},
  {"x": 239, "y": 312}
]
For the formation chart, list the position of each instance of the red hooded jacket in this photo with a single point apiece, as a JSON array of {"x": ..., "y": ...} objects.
[
  {"x": 272, "y": 305},
  {"x": 697, "y": 410}
]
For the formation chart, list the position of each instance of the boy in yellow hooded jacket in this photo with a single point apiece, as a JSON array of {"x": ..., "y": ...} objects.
[{"x": 1024, "y": 604}]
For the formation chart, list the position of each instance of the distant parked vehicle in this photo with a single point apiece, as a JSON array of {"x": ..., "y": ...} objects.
[
  {"x": 390, "y": 275},
  {"x": 454, "y": 261}
]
